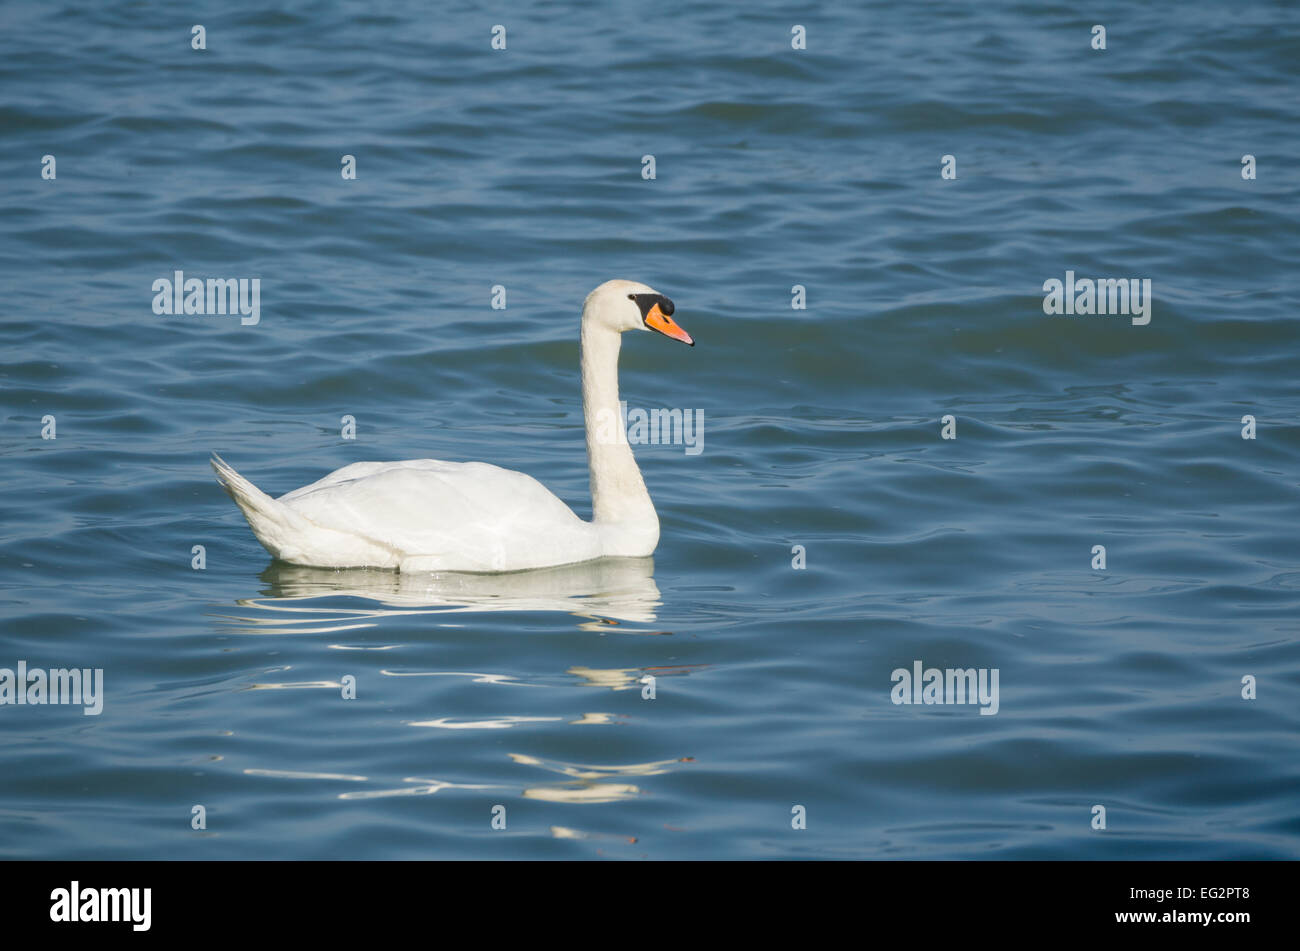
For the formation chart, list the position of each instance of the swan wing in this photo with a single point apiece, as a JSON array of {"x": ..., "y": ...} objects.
[{"x": 455, "y": 516}]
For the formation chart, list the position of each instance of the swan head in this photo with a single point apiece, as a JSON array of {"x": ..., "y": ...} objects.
[{"x": 631, "y": 305}]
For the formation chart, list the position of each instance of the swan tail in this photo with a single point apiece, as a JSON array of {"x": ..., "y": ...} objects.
[{"x": 274, "y": 523}]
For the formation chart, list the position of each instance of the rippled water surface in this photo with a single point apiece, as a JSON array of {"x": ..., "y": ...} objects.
[{"x": 774, "y": 167}]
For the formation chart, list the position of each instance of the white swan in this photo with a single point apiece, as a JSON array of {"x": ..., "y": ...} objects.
[{"x": 429, "y": 515}]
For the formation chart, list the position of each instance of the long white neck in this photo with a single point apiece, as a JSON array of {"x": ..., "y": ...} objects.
[{"x": 619, "y": 499}]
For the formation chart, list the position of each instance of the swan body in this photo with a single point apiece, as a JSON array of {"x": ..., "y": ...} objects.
[{"x": 431, "y": 515}]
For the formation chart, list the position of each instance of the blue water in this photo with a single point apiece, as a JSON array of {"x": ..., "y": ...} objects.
[{"x": 223, "y": 687}]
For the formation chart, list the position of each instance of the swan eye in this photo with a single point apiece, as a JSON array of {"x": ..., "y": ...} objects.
[{"x": 647, "y": 301}]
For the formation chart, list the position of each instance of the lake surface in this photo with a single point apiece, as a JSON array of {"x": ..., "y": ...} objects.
[{"x": 1119, "y": 687}]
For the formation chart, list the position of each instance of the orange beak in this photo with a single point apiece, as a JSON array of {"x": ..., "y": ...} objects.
[{"x": 658, "y": 321}]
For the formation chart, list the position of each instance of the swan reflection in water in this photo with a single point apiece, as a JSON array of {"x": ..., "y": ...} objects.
[{"x": 604, "y": 591}]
